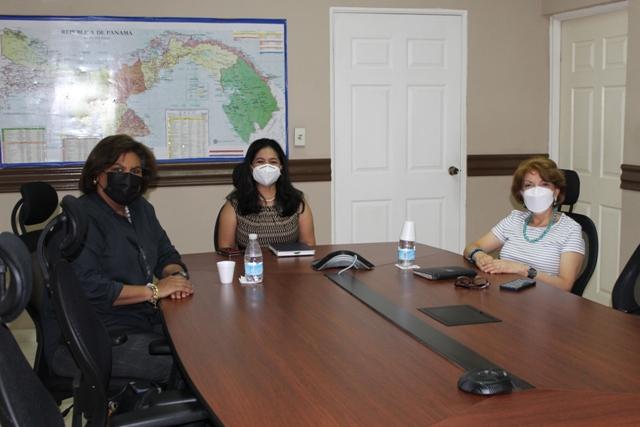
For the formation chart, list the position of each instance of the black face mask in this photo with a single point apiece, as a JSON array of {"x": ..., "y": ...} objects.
[{"x": 123, "y": 188}]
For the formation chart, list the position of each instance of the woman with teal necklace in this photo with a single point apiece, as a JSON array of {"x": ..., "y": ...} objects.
[{"x": 538, "y": 242}]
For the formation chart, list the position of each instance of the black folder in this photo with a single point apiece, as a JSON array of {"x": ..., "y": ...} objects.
[{"x": 454, "y": 315}]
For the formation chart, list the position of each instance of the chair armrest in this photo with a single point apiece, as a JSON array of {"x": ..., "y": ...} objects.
[
  {"x": 169, "y": 397},
  {"x": 118, "y": 338},
  {"x": 160, "y": 416},
  {"x": 159, "y": 347}
]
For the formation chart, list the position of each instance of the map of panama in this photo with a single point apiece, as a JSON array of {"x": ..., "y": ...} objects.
[{"x": 198, "y": 90}]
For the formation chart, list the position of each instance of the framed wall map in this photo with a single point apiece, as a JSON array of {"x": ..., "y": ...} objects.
[{"x": 193, "y": 90}]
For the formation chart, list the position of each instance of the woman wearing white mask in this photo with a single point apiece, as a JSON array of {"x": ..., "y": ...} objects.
[
  {"x": 264, "y": 202},
  {"x": 539, "y": 242}
]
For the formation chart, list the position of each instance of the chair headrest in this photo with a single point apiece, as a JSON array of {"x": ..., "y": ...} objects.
[
  {"x": 15, "y": 287},
  {"x": 63, "y": 237},
  {"x": 39, "y": 201},
  {"x": 572, "y": 193},
  {"x": 75, "y": 226}
]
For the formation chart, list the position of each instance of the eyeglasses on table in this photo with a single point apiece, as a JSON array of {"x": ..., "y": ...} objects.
[{"x": 477, "y": 282}]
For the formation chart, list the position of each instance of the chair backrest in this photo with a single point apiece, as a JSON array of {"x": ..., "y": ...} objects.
[
  {"x": 24, "y": 401},
  {"x": 215, "y": 230},
  {"x": 572, "y": 192},
  {"x": 39, "y": 201},
  {"x": 48, "y": 337},
  {"x": 592, "y": 248},
  {"x": 626, "y": 291},
  {"x": 15, "y": 277},
  {"x": 61, "y": 238},
  {"x": 88, "y": 341},
  {"x": 589, "y": 232}
]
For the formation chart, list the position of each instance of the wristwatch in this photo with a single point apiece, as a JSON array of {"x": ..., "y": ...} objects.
[
  {"x": 532, "y": 272},
  {"x": 472, "y": 253},
  {"x": 181, "y": 273}
]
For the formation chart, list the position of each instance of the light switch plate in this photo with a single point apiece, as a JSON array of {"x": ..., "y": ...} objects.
[{"x": 299, "y": 137}]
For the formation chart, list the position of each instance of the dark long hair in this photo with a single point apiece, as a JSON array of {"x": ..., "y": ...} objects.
[
  {"x": 107, "y": 152},
  {"x": 288, "y": 199}
]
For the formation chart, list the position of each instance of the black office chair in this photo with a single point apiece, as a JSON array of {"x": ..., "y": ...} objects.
[
  {"x": 90, "y": 344},
  {"x": 63, "y": 237},
  {"x": 24, "y": 401},
  {"x": 60, "y": 238},
  {"x": 39, "y": 201},
  {"x": 215, "y": 230},
  {"x": 60, "y": 387},
  {"x": 589, "y": 232},
  {"x": 626, "y": 291}
]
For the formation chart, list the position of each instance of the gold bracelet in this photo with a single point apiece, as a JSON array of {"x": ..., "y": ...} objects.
[{"x": 156, "y": 294}]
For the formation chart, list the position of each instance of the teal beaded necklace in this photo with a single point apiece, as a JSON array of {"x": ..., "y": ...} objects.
[{"x": 544, "y": 233}]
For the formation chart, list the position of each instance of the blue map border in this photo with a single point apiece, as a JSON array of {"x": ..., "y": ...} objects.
[{"x": 161, "y": 19}]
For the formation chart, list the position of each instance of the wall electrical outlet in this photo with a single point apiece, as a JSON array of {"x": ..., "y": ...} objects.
[{"x": 299, "y": 137}]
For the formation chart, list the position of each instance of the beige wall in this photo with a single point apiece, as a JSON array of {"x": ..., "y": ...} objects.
[
  {"x": 488, "y": 201},
  {"x": 551, "y": 7},
  {"x": 506, "y": 107}
]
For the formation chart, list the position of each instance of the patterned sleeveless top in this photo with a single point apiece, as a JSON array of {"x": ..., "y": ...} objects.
[{"x": 267, "y": 224}]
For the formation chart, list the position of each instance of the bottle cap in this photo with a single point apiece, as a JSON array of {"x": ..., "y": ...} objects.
[
  {"x": 408, "y": 231},
  {"x": 253, "y": 236}
]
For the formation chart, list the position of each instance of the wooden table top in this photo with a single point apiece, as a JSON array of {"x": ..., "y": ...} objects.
[{"x": 299, "y": 350}]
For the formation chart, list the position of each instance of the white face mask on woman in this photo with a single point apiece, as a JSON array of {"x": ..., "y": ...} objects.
[
  {"x": 538, "y": 199},
  {"x": 266, "y": 174}
]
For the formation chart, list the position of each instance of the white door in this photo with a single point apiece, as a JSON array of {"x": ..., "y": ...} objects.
[
  {"x": 592, "y": 97},
  {"x": 398, "y": 126}
]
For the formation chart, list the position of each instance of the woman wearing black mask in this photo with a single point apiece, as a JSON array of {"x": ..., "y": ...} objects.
[{"x": 128, "y": 263}]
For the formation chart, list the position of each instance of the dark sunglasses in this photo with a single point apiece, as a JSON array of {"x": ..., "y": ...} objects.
[{"x": 477, "y": 282}]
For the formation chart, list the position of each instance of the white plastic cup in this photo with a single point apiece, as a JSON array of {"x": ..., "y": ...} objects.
[
  {"x": 225, "y": 271},
  {"x": 408, "y": 232}
]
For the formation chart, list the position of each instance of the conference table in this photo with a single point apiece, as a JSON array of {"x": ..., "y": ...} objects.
[{"x": 300, "y": 350}]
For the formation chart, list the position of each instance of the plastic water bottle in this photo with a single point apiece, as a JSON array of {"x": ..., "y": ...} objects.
[
  {"x": 407, "y": 245},
  {"x": 253, "y": 266}
]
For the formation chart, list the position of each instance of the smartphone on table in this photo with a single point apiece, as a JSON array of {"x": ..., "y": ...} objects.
[{"x": 518, "y": 284}]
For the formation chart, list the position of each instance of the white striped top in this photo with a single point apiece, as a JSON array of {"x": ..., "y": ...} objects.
[{"x": 544, "y": 255}]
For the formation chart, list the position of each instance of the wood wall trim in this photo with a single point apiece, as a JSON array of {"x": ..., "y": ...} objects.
[
  {"x": 301, "y": 170},
  {"x": 169, "y": 174},
  {"x": 630, "y": 177},
  {"x": 496, "y": 164}
]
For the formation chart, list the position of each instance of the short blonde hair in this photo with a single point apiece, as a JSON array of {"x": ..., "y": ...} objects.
[{"x": 548, "y": 171}]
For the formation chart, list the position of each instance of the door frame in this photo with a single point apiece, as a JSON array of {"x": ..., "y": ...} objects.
[
  {"x": 333, "y": 11},
  {"x": 555, "y": 40}
]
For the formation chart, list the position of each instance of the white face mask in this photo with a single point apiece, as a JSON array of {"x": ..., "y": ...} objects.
[
  {"x": 537, "y": 199},
  {"x": 266, "y": 174}
]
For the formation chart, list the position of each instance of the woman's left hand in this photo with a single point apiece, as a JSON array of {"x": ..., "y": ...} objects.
[{"x": 504, "y": 266}]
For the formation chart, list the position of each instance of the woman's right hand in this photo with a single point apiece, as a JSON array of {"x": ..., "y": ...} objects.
[
  {"x": 487, "y": 243},
  {"x": 174, "y": 287}
]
